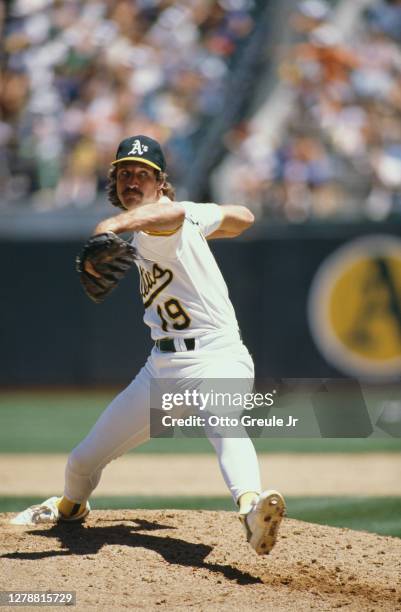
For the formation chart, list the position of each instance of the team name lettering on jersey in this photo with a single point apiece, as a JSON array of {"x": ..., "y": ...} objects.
[
  {"x": 153, "y": 282},
  {"x": 138, "y": 148}
]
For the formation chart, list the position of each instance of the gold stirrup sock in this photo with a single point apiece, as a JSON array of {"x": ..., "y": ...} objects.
[
  {"x": 68, "y": 508},
  {"x": 245, "y": 501}
]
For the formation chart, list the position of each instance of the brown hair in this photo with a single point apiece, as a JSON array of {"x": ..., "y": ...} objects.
[{"x": 167, "y": 189}]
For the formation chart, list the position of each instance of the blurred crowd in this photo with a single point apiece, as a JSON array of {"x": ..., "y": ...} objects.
[
  {"x": 78, "y": 76},
  {"x": 338, "y": 154}
]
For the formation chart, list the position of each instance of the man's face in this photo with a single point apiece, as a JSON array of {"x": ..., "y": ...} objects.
[{"x": 136, "y": 184}]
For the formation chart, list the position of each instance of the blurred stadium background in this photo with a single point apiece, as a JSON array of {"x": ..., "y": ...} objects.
[{"x": 292, "y": 108}]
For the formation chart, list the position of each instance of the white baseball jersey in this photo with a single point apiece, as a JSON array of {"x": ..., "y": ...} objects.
[
  {"x": 185, "y": 296},
  {"x": 183, "y": 290}
]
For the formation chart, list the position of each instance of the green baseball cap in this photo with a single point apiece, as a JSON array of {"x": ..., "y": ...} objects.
[{"x": 143, "y": 149}]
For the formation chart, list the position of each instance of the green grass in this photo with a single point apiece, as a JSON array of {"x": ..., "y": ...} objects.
[
  {"x": 51, "y": 422},
  {"x": 378, "y": 515},
  {"x": 47, "y": 422}
]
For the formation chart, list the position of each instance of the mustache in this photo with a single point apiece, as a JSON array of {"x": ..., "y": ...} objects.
[{"x": 129, "y": 190}]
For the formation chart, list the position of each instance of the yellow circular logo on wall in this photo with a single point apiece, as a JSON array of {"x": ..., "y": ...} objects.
[{"x": 354, "y": 308}]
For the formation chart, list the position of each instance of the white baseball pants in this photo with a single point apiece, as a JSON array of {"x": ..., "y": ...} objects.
[{"x": 124, "y": 424}]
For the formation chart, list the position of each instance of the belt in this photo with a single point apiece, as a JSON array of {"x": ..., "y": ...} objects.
[{"x": 166, "y": 345}]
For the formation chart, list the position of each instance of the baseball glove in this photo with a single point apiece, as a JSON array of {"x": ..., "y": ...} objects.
[{"x": 103, "y": 262}]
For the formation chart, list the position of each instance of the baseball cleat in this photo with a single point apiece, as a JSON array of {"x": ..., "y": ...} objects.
[
  {"x": 262, "y": 522},
  {"x": 47, "y": 512}
]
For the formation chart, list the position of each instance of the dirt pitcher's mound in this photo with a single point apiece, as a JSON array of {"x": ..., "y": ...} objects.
[{"x": 176, "y": 560}]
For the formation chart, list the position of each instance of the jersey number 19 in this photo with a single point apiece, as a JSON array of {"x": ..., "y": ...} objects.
[{"x": 179, "y": 318}]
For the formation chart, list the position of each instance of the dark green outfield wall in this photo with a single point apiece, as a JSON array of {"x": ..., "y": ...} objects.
[{"x": 52, "y": 334}]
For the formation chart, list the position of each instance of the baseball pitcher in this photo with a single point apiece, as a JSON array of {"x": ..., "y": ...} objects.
[{"x": 192, "y": 323}]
